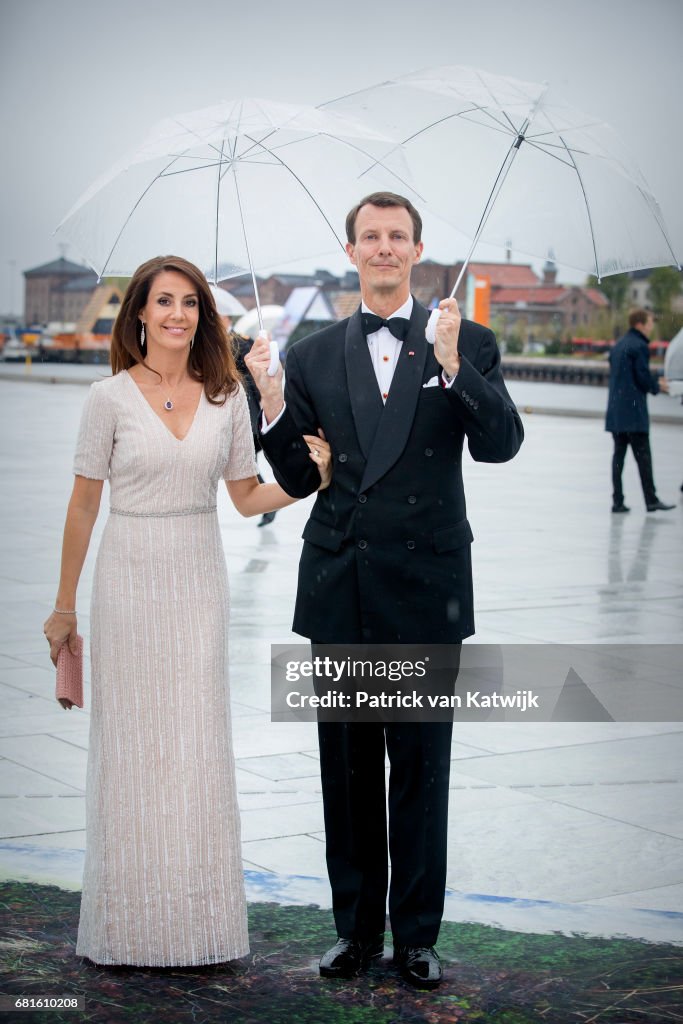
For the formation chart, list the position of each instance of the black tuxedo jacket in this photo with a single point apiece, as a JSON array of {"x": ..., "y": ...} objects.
[{"x": 386, "y": 555}]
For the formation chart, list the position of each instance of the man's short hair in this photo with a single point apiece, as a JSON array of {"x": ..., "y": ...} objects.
[
  {"x": 638, "y": 316},
  {"x": 384, "y": 199}
]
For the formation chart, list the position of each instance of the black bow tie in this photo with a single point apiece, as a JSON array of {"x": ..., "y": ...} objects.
[{"x": 398, "y": 325}]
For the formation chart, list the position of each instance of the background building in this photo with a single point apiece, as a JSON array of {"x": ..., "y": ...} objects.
[{"x": 57, "y": 292}]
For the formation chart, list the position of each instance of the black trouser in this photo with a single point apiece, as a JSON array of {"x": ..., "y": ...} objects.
[
  {"x": 352, "y": 772},
  {"x": 640, "y": 446},
  {"x": 354, "y": 800}
]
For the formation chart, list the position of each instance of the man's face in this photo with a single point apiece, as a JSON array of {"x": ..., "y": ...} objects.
[
  {"x": 384, "y": 251},
  {"x": 648, "y": 327}
]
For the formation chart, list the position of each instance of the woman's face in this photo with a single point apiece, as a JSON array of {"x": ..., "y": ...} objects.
[{"x": 171, "y": 314}]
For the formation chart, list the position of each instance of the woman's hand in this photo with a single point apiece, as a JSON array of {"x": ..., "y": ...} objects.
[
  {"x": 59, "y": 630},
  {"x": 321, "y": 453}
]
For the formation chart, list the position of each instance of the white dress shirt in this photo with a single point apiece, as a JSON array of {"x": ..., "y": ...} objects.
[
  {"x": 385, "y": 348},
  {"x": 384, "y": 351}
]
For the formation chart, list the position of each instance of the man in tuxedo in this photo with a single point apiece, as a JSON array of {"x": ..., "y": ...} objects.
[{"x": 386, "y": 559}]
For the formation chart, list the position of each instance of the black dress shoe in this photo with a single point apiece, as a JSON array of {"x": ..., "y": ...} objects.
[
  {"x": 350, "y": 956},
  {"x": 266, "y": 518},
  {"x": 620, "y": 507},
  {"x": 659, "y": 506},
  {"x": 419, "y": 965}
]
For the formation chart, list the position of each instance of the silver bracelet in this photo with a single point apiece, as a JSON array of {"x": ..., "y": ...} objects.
[{"x": 58, "y": 611}]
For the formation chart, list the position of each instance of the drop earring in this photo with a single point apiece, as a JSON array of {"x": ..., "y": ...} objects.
[
  {"x": 142, "y": 337},
  {"x": 191, "y": 342}
]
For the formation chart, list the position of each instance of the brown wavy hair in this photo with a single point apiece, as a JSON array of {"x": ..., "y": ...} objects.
[{"x": 211, "y": 358}]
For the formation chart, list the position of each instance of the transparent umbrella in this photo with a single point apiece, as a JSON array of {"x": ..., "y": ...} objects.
[
  {"x": 505, "y": 161},
  {"x": 673, "y": 361},
  {"x": 245, "y": 185}
]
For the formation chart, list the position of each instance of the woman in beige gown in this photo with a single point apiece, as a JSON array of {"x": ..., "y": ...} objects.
[{"x": 163, "y": 880}]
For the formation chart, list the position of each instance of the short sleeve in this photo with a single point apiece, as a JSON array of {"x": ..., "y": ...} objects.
[
  {"x": 241, "y": 462},
  {"x": 96, "y": 434}
]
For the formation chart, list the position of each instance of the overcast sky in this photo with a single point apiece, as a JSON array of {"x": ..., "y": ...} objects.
[{"x": 81, "y": 82}]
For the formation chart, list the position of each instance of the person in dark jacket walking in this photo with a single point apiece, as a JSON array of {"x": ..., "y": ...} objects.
[{"x": 627, "y": 416}]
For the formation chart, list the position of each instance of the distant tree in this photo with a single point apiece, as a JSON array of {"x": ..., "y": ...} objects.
[
  {"x": 664, "y": 284},
  {"x": 615, "y": 287},
  {"x": 558, "y": 347},
  {"x": 668, "y": 325},
  {"x": 599, "y": 327},
  {"x": 514, "y": 345}
]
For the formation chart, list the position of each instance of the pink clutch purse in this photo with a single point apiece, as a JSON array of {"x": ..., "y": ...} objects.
[{"x": 70, "y": 674}]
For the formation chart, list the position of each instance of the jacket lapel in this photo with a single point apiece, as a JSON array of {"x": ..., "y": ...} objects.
[
  {"x": 366, "y": 401},
  {"x": 396, "y": 419}
]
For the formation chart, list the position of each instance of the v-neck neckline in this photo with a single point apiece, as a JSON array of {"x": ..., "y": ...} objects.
[{"x": 158, "y": 418}]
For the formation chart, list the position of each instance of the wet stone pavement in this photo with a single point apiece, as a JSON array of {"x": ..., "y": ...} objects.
[{"x": 563, "y": 826}]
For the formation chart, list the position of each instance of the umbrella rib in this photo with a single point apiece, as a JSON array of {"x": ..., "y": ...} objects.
[
  {"x": 218, "y": 205},
  {"x": 493, "y": 195},
  {"x": 520, "y": 92},
  {"x": 497, "y": 127},
  {"x": 246, "y": 245},
  {"x": 495, "y": 101},
  {"x": 461, "y": 113},
  {"x": 344, "y": 142},
  {"x": 497, "y": 185},
  {"x": 306, "y": 190},
  {"x": 356, "y": 92},
  {"x": 125, "y": 223},
  {"x": 653, "y": 206},
  {"x": 209, "y": 161},
  {"x": 588, "y": 209},
  {"x": 574, "y": 127},
  {"x": 375, "y": 163},
  {"x": 196, "y": 135},
  {"x": 193, "y": 170},
  {"x": 555, "y": 156},
  {"x": 442, "y": 120}
]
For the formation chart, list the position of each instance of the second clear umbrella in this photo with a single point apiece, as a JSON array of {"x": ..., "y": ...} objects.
[
  {"x": 242, "y": 186},
  {"x": 508, "y": 162}
]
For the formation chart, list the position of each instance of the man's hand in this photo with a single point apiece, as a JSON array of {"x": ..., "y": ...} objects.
[
  {"x": 257, "y": 361},
  {"x": 663, "y": 385},
  {"x": 447, "y": 332}
]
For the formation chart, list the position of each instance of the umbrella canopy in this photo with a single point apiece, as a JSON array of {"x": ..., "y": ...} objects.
[
  {"x": 673, "y": 360},
  {"x": 249, "y": 324},
  {"x": 244, "y": 185},
  {"x": 506, "y": 161},
  {"x": 226, "y": 304}
]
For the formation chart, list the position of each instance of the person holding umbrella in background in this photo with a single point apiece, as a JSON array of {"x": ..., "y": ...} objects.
[{"x": 627, "y": 418}]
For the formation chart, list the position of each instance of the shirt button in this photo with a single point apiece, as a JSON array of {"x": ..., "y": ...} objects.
[
  {"x": 429, "y": 451},
  {"x": 385, "y": 394},
  {"x": 362, "y": 498},
  {"x": 410, "y": 544},
  {"x": 343, "y": 457},
  {"x": 362, "y": 544},
  {"x": 385, "y": 358},
  {"x": 412, "y": 499}
]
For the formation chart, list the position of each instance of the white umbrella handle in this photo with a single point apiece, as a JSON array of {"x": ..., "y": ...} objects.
[
  {"x": 430, "y": 329},
  {"x": 274, "y": 354}
]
